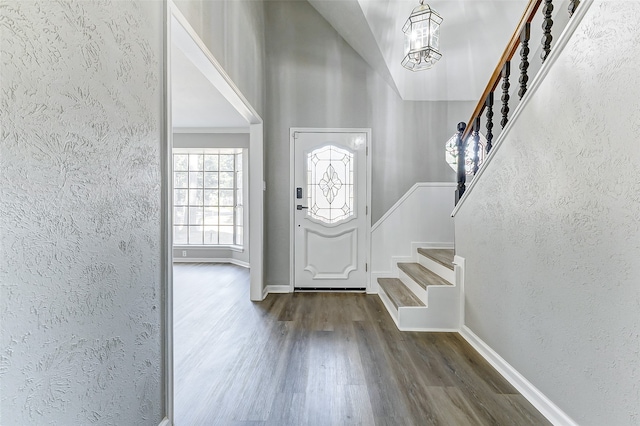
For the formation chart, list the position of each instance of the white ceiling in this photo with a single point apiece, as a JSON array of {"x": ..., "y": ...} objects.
[{"x": 473, "y": 36}]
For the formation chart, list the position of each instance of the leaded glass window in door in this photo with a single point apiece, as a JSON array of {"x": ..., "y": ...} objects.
[{"x": 330, "y": 187}]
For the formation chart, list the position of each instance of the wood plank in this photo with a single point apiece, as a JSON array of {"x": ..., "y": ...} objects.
[
  {"x": 398, "y": 293},
  {"x": 422, "y": 275},
  {"x": 442, "y": 256},
  {"x": 321, "y": 359}
]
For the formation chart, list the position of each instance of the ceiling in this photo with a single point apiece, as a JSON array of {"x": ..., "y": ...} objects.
[{"x": 473, "y": 36}]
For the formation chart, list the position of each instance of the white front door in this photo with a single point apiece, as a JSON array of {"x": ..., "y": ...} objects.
[{"x": 330, "y": 190}]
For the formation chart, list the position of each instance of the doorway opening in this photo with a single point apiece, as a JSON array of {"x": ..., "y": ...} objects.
[{"x": 213, "y": 173}]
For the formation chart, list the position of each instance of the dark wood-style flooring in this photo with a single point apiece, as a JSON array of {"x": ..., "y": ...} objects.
[{"x": 321, "y": 359}]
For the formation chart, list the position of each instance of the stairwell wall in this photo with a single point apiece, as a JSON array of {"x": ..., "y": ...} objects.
[{"x": 551, "y": 231}]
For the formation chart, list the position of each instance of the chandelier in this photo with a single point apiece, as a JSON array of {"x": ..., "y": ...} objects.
[{"x": 421, "y": 38}]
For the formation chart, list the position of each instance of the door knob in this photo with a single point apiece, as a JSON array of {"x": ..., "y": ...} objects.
[{"x": 300, "y": 207}]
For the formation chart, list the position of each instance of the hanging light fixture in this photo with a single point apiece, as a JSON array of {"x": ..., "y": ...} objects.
[{"x": 421, "y": 38}]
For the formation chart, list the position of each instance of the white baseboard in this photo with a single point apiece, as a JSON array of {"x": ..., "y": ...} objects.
[
  {"x": 211, "y": 260},
  {"x": 165, "y": 422},
  {"x": 276, "y": 289},
  {"x": 543, "y": 404}
]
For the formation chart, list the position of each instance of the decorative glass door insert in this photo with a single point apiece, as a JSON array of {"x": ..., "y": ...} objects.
[{"x": 330, "y": 185}]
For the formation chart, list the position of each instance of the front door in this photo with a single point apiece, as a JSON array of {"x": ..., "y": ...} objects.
[{"x": 330, "y": 191}]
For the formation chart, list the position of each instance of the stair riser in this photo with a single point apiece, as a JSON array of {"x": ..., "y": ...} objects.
[
  {"x": 415, "y": 288},
  {"x": 437, "y": 268}
]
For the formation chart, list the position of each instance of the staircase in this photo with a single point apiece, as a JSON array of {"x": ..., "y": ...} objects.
[{"x": 423, "y": 296}]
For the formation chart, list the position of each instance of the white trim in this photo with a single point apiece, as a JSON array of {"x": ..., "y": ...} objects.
[
  {"x": 211, "y": 129},
  {"x": 211, "y": 260},
  {"x": 165, "y": 422},
  {"x": 458, "y": 268},
  {"x": 407, "y": 195},
  {"x": 368, "y": 155},
  {"x": 285, "y": 288},
  {"x": 558, "y": 47},
  {"x": 543, "y": 404}
]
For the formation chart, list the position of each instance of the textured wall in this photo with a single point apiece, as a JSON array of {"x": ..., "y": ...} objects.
[
  {"x": 551, "y": 233},
  {"x": 315, "y": 79},
  {"x": 81, "y": 114}
]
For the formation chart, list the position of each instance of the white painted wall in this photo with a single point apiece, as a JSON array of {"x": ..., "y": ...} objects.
[
  {"x": 80, "y": 235},
  {"x": 422, "y": 215},
  {"x": 315, "y": 79},
  {"x": 551, "y": 233}
]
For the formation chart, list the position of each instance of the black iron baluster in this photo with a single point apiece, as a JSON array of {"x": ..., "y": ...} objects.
[
  {"x": 573, "y": 5},
  {"x": 489, "y": 105},
  {"x": 547, "y": 23},
  {"x": 506, "y": 71},
  {"x": 462, "y": 173},
  {"x": 475, "y": 134},
  {"x": 524, "y": 55}
]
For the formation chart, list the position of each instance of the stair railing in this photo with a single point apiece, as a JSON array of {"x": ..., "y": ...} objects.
[{"x": 502, "y": 72}]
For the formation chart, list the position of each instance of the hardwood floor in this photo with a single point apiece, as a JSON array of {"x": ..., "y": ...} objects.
[{"x": 321, "y": 359}]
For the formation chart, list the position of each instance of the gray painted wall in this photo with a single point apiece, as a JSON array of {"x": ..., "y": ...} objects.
[
  {"x": 234, "y": 32},
  {"x": 80, "y": 265},
  {"x": 315, "y": 79},
  {"x": 551, "y": 232}
]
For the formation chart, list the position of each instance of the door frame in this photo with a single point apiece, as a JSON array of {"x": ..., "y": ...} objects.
[
  {"x": 218, "y": 77},
  {"x": 292, "y": 202}
]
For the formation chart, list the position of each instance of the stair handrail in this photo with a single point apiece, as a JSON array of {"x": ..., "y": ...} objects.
[{"x": 519, "y": 38}]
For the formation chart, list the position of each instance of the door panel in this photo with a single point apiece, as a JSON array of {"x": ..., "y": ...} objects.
[{"x": 330, "y": 217}]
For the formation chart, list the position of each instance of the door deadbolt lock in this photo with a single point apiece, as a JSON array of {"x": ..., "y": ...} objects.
[{"x": 300, "y": 207}]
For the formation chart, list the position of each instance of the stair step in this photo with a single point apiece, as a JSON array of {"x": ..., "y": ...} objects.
[
  {"x": 442, "y": 256},
  {"x": 398, "y": 293},
  {"x": 421, "y": 275}
]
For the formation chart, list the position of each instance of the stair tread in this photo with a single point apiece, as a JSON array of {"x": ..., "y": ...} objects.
[
  {"x": 442, "y": 256},
  {"x": 422, "y": 275},
  {"x": 398, "y": 293}
]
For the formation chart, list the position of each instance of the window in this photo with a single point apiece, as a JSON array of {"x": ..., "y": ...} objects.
[{"x": 207, "y": 198}]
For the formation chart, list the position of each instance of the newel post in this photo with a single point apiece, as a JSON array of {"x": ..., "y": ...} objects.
[{"x": 462, "y": 173}]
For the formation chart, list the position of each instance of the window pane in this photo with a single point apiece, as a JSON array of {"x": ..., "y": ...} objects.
[
  {"x": 226, "y": 216},
  {"x": 180, "y": 162},
  {"x": 180, "y": 235},
  {"x": 195, "y": 162},
  {"x": 226, "y": 235},
  {"x": 226, "y": 180},
  {"x": 211, "y": 235},
  {"x": 195, "y": 197},
  {"x": 195, "y": 235},
  {"x": 180, "y": 216},
  {"x": 195, "y": 179},
  {"x": 210, "y": 197},
  {"x": 211, "y": 179},
  {"x": 226, "y": 163},
  {"x": 181, "y": 180},
  {"x": 211, "y": 162},
  {"x": 180, "y": 197},
  {"x": 226, "y": 198},
  {"x": 210, "y": 215},
  {"x": 195, "y": 216}
]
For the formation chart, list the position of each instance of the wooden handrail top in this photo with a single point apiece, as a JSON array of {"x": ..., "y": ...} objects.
[{"x": 509, "y": 51}]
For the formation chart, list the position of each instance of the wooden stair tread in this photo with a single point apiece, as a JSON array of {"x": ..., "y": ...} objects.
[
  {"x": 422, "y": 275},
  {"x": 442, "y": 256},
  {"x": 398, "y": 293}
]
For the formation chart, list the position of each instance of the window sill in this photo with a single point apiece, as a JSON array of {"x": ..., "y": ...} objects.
[{"x": 235, "y": 248}]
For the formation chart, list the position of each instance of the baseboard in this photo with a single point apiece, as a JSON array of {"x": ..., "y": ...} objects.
[
  {"x": 276, "y": 289},
  {"x": 211, "y": 260},
  {"x": 165, "y": 422},
  {"x": 543, "y": 404}
]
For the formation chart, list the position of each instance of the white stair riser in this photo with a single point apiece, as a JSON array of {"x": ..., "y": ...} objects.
[
  {"x": 414, "y": 287},
  {"x": 437, "y": 268}
]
